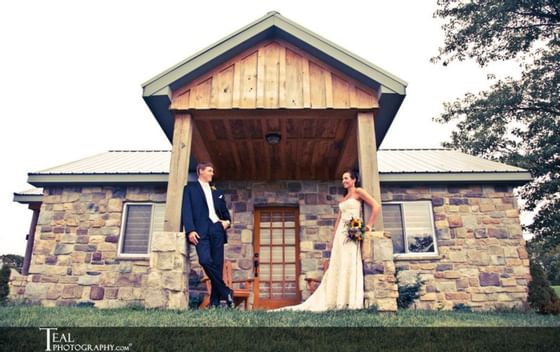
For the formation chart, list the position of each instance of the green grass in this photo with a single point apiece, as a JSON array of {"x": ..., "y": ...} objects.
[
  {"x": 32, "y": 316},
  {"x": 557, "y": 289}
]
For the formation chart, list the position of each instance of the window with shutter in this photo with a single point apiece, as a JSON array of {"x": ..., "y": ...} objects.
[{"x": 140, "y": 220}]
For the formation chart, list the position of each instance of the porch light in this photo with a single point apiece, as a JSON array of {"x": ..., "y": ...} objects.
[{"x": 273, "y": 137}]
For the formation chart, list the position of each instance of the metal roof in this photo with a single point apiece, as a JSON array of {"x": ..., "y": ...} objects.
[
  {"x": 395, "y": 165},
  {"x": 157, "y": 91},
  {"x": 33, "y": 195}
]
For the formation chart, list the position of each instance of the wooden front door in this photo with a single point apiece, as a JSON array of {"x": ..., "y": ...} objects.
[{"x": 277, "y": 265}]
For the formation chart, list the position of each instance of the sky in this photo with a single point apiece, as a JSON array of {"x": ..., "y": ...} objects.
[{"x": 71, "y": 73}]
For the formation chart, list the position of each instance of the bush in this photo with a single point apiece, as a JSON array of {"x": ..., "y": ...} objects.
[
  {"x": 195, "y": 300},
  {"x": 13, "y": 261},
  {"x": 461, "y": 307},
  {"x": 408, "y": 293},
  {"x": 542, "y": 297},
  {"x": 4, "y": 287}
]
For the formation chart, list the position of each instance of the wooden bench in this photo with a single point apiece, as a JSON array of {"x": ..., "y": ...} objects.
[{"x": 240, "y": 295}]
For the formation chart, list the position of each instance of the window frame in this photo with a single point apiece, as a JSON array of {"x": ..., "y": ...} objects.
[
  {"x": 122, "y": 255},
  {"x": 420, "y": 255}
]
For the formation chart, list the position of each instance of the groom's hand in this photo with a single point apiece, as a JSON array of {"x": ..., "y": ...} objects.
[
  {"x": 225, "y": 224},
  {"x": 194, "y": 237}
]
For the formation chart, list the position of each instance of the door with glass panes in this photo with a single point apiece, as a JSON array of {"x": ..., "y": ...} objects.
[{"x": 276, "y": 256}]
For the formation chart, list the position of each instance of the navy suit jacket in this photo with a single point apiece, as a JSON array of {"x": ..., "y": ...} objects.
[{"x": 194, "y": 214}]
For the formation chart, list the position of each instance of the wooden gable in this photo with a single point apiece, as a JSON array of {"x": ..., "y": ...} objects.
[{"x": 274, "y": 75}]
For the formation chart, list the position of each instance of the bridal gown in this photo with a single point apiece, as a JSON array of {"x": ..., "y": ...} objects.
[{"x": 342, "y": 286}]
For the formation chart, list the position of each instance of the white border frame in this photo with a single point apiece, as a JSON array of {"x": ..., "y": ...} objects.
[
  {"x": 416, "y": 255},
  {"x": 121, "y": 255}
]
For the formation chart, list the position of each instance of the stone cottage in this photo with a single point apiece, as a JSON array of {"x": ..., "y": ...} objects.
[{"x": 281, "y": 112}]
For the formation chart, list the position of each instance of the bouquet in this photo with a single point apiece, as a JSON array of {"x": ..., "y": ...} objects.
[{"x": 356, "y": 230}]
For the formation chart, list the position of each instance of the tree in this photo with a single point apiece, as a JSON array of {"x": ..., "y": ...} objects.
[
  {"x": 516, "y": 121},
  {"x": 541, "y": 297}
]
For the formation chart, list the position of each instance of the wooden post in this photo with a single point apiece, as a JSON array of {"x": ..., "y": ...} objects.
[
  {"x": 178, "y": 170},
  {"x": 30, "y": 238},
  {"x": 367, "y": 159}
]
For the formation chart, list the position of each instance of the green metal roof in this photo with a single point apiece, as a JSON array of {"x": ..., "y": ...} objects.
[{"x": 157, "y": 91}]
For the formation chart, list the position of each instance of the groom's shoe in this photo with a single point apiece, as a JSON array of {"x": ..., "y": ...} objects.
[{"x": 229, "y": 300}]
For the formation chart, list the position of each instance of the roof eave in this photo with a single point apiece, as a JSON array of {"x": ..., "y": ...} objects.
[
  {"x": 512, "y": 178},
  {"x": 27, "y": 198}
]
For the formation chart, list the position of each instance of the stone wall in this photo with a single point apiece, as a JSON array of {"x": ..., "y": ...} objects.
[
  {"x": 75, "y": 251},
  {"x": 482, "y": 260}
]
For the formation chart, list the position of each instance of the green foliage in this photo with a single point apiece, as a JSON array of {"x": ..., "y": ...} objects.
[
  {"x": 495, "y": 30},
  {"x": 516, "y": 121},
  {"x": 408, "y": 293},
  {"x": 461, "y": 307},
  {"x": 195, "y": 300},
  {"x": 4, "y": 288},
  {"x": 85, "y": 304},
  {"x": 32, "y": 316},
  {"x": 541, "y": 296},
  {"x": 13, "y": 261}
]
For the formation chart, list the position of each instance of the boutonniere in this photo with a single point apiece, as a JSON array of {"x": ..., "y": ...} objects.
[{"x": 213, "y": 188}]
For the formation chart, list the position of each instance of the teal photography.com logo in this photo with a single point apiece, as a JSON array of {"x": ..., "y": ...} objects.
[{"x": 64, "y": 341}]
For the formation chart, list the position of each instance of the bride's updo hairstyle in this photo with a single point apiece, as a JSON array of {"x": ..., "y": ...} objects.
[{"x": 354, "y": 176}]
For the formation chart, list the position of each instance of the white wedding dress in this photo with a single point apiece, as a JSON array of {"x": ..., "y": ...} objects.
[{"x": 342, "y": 286}]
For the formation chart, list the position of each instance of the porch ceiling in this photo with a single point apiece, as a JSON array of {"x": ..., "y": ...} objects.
[{"x": 314, "y": 145}]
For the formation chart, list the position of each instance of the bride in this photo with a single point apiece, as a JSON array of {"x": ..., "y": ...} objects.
[{"x": 342, "y": 286}]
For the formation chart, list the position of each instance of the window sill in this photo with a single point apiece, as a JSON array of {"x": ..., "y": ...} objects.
[
  {"x": 134, "y": 258},
  {"x": 404, "y": 257}
]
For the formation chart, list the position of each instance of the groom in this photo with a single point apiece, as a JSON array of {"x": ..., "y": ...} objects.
[{"x": 206, "y": 218}]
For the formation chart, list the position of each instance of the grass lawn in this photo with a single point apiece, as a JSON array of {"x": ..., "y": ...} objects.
[
  {"x": 32, "y": 316},
  {"x": 557, "y": 289},
  {"x": 197, "y": 330}
]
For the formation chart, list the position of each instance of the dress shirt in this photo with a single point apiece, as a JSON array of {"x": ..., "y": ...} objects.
[{"x": 210, "y": 201}]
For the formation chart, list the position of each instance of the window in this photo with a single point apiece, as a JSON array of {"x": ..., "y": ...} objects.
[
  {"x": 411, "y": 226},
  {"x": 140, "y": 220}
]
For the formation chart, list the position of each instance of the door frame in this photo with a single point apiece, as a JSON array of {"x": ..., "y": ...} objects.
[{"x": 274, "y": 303}]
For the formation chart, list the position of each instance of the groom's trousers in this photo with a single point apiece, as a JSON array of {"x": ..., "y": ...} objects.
[{"x": 210, "y": 252}]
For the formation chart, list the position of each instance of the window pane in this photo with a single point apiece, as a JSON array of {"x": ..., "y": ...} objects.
[
  {"x": 290, "y": 272},
  {"x": 159, "y": 217},
  {"x": 264, "y": 272},
  {"x": 392, "y": 218},
  {"x": 265, "y": 236},
  {"x": 277, "y": 272},
  {"x": 137, "y": 229},
  {"x": 263, "y": 289},
  {"x": 265, "y": 254},
  {"x": 290, "y": 254},
  {"x": 277, "y": 290},
  {"x": 277, "y": 236},
  {"x": 290, "y": 236},
  {"x": 419, "y": 231}
]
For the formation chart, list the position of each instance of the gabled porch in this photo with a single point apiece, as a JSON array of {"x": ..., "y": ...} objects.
[{"x": 290, "y": 106}]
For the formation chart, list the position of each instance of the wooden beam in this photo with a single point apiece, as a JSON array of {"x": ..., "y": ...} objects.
[
  {"x": 30, "y": 239},
  {"x": 199, "y": 149},
  {"x": 347, "y": 158},
  {"x": 292, "y": 114},
  {"x": 234, "y": 148},
  {"x": 178, "y": 171},
  {"x": 367, "y": 158}
]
